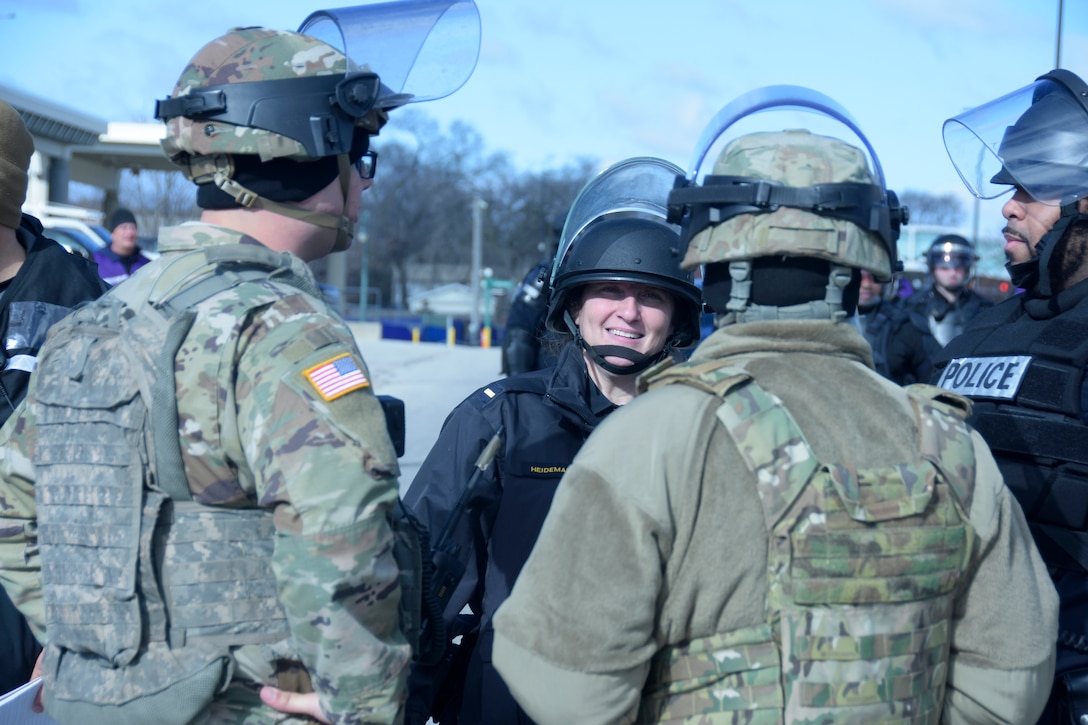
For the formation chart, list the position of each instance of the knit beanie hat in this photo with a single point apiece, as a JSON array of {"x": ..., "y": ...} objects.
[
  {"x": 118, "y": 217},
  {"x": 16, "y": 148}
]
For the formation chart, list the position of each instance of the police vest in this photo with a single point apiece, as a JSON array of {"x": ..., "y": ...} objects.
[
  {"x": 145, "y": 590},
  {"x": 862, "y": 568},
  {"x": 1026, "y": 377}
]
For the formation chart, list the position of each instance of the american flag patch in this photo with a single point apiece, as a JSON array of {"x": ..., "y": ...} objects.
[{"x": 336, "y": 377}]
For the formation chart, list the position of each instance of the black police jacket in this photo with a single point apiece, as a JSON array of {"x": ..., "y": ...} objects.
[
  {"x": 899, "y": 351},
  {"x": 48, "y": 285},
  {"x": 929, "y": 305},
  {"x": 1023, "y": 364},
  {"x": 547, "y": 416}
]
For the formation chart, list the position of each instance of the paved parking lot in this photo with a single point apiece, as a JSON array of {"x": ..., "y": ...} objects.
[{"x": 431, "y": 379}]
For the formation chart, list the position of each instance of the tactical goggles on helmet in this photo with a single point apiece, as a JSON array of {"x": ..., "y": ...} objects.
[{"x": 320, "y": 112}]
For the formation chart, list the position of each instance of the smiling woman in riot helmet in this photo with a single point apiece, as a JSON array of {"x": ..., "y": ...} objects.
[
  {"x": 773, "y": 532},
  {"x": 619, "y": 293},
  {"x": 1023, "y": 361}
]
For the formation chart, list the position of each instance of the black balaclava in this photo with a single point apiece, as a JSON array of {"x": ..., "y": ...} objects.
[
  {"x": 280, "y": 180},
  {"x": 779, "y": 282}
]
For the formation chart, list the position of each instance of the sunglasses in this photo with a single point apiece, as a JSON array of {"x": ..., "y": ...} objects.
[{"x": 367, "y": 164}]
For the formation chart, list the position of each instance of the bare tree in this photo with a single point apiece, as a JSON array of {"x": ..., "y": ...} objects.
[
  {"x": 158, "y": 198},
  {"x": 927, "y": 208}
]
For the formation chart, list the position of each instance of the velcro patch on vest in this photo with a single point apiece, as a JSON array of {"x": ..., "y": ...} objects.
[
  {"x": 336, "y": 377},
  {"x": 986, "y": 377}
]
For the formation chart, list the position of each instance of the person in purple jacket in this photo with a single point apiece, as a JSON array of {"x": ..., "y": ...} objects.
[{"x": 117, "y": 262}]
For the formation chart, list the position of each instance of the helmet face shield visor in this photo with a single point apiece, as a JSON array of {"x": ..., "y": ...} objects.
[
  {"x": 638, "y": 186},
  {"x": 778, "y": 108},
  {"x": 1035, "y": 138},
  {"x": 421, "y": 49}
]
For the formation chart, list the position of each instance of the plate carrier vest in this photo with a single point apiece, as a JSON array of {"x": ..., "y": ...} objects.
[
  {"x": 145, "y": 590},
  {"x": 862, "y": 570}
]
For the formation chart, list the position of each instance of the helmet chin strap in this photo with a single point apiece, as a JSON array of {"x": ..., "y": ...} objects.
[
  {"x": 1036, "y": 271},
  {"x": 597, "y": 353},
  {"x": 251, "y": 200}
]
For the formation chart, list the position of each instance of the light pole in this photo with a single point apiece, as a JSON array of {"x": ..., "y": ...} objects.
[
  {"x": 478, "y": 206},
  {"x": 362, "y": 237},
  {"x": 1058, "y": 44}
]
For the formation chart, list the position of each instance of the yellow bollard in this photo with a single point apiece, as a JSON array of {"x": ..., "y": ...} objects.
[
  {"x": 415, "y": 334},
  {"x": 451, "y": 335},
  {"x": 485, "y": 338}
]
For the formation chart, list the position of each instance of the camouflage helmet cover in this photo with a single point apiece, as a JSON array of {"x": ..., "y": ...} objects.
[
  {"x": 799, "y": 159},
  {"x": 245, "y": 55}
]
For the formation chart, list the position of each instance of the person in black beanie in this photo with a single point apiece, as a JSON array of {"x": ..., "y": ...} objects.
[{"x": 117, "y": 262}]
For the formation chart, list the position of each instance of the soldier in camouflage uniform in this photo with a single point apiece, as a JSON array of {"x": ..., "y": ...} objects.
[
  {"x": 772, "y": 532},
  {"x": 276, "y": 419}
]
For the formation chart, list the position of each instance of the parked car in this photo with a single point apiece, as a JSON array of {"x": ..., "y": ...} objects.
[
  {"x": 86, "y": 237},
  {"x": 74, "y": 241}
]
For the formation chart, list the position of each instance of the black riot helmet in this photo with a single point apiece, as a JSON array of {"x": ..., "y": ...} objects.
[
  {"x": 616, "y": 231},
  {"x": 950, "y": 250},
  {"x": 1036, "y": 139},
  {"x": 629, "y": 250}
]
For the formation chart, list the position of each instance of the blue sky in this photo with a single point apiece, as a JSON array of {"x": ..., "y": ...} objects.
[{"x": 609, "y": 79}]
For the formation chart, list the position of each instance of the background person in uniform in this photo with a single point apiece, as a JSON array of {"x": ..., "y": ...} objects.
[
  {"x": 276, "y": 419},
  {"x": 1023, "y": 361},
  {"x": 774, "y": 532},
  {"x": 522, "y": 344},
  {"x": 621, "y": 297},
  {"x": 122, "y": 257},
  {"x": 899, "y": 352},
  {"x": 943, "y": 309},
  {"x": 39, "y": 284}
]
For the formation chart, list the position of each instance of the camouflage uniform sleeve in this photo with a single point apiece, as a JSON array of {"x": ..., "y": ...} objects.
[
  {"x": 314, "y": 436},
  {"x": 1001, "y": 659},
  {"x": 20, "y": 568}
]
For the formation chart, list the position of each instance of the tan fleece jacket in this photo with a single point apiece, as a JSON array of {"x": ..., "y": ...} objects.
[{"x": 656, "y": 537}]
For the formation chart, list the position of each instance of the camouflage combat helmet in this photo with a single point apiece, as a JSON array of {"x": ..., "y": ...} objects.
[
  {"x": 273, "y": 95},
  {"x": 269, "y": 93},
  {"x": 790, "y": 191},
  {"x": 793, "y": 160}
]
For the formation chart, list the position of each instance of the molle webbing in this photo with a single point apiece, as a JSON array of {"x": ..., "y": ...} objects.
[
  {"x": 144, "y": 589},
  {"x": 862, "y": 566}
]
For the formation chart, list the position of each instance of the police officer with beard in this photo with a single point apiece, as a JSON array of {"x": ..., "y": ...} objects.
[{"x": 1023, "y": 361}]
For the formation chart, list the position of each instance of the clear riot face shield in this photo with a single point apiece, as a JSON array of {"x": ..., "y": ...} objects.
[
  {"x": 1035, "y": 138},
  {"x": 421, "y": 49},
  {"x": 632, "y": 187}
]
